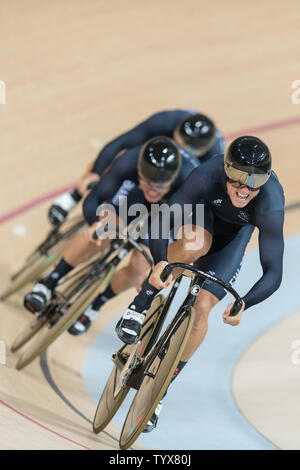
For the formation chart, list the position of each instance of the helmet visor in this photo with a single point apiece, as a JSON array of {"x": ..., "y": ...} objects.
[{"x": 247, "y": 178}]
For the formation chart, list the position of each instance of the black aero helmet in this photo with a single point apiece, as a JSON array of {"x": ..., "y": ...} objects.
[
  {"x": 196, "y": 133},
  {"x": 248, "y": 161},
  {"x": 159, "y": 160}
]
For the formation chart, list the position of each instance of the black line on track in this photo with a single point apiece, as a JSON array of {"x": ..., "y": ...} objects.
[{"x": 47, "y": 374}]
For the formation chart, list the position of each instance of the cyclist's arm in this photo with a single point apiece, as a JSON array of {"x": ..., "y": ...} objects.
[
  {"x": 271, "y": 247},
  {"x": 123, "y": 169},
  {"x": 87, "y": 178},
  {"x": 162, "y": 123}
]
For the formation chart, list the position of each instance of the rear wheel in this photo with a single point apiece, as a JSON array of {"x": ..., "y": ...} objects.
[
  {"x": 157, "y": 377},
  {"x": 28, "y": 332},
  {"x": 53, "y": 331},
  {"x": 38, "y": 263}
]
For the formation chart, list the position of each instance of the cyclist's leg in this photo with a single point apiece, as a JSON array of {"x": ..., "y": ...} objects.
[
  {"x": 79, "y": 250},
  {"x": 204, "y": 304},
  {"x": 192, "y": 241},
  {"x": 131, "y": 275},
  {"x": 81, "y": 247},
  {"x": 224, "y": 264}
]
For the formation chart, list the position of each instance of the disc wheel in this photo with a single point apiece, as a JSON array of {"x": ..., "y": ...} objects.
[
  {"x": 50, "y": 334},
  {"x": 114, "y": 393},
  {"x": 158, "y": 375},
  {"x": 28, "y": 332}
]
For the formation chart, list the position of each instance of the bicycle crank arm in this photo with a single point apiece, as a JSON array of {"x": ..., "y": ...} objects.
[{"x": 126, "y": 371}]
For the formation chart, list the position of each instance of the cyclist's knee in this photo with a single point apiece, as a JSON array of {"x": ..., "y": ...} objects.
[
  {"x": 195, "y": 243},
  {"x": 138, "y": 267},
  {"x": 203, "y": 306}
]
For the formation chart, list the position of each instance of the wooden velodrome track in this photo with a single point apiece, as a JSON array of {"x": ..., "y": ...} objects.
[{"x": 77, "y": 74}]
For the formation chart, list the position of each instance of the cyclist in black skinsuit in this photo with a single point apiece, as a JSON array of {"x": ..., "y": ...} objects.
[
  {"x": 146, "y": 174},
  {"x": 191, "y": 130},
  {"x": 239, "y": 192}
]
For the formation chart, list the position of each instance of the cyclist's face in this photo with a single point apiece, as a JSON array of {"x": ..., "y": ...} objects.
[
  {"x": 153, "y": 192},
  {"x": 240, "y": 196}
]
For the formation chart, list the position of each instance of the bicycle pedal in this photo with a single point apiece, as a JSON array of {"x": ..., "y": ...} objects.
[
  {"x": 53, "y": 320},
  {"x": 149, "y": 374},
  {"x": 55, "y": 316}
]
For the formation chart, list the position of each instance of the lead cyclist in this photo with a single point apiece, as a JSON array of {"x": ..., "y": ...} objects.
[{"x": 238, "y": 191}]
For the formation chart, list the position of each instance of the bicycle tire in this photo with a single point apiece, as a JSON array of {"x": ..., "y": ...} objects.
[
  {"x": 49, "y": 335},
  {"x": 109, "y": 404},
  {"x": 154, "y": 385},
  {"x": 28, "y": 332},
  {"x": 38, "y": 263}
]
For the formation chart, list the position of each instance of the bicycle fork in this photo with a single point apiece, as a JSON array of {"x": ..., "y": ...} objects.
[{"x": 164, "y": 343}]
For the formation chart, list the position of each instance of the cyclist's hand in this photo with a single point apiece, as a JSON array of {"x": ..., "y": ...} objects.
[
  {"x": 233, "y": 321},
  {"x": 90, "y": 232},
  {"x": 155, "y": 279},
  {"x": 60, "y": 208},
  {"x": 85, "y": 181}
]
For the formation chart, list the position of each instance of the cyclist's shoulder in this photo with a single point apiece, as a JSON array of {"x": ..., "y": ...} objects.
[
  {"x": 189, "y": 160},
  {"x": 126, "y": 164},
  {"x": 269, "y": 206},
  {"x": 129, "y": 155},
  {"x": 171, "y": 116},
  {"x": 271, "y": 196},
  {"x": 214, "y": 166}
]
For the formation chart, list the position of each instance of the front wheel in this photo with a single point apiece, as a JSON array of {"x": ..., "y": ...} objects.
[
  {"x": 157, "y": 377},
  {"x": 110, "y": 401},
  {"x": 115, "y": 390}
]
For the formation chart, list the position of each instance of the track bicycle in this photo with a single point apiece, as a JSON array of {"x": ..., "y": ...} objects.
[
  {"x": 72, "y": 296},
  {"x": 148, "y": 366}
]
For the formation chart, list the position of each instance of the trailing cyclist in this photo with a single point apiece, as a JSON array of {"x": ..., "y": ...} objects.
[
  {"x": 151, "y": 173},
  {"x": 193, "y": 131}
]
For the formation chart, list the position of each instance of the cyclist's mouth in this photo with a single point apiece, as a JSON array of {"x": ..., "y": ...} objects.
[{"x": 242, "y": 197}]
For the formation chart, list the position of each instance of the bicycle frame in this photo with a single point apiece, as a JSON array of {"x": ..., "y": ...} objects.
[{"x": 152, "y": 349}]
